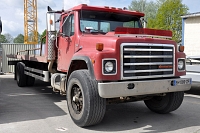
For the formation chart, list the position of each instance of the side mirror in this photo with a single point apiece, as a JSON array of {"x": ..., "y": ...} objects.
[{"x": 144, "y": 22}]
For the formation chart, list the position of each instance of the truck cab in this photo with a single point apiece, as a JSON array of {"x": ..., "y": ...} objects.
[{"x": 103, "y": 55}]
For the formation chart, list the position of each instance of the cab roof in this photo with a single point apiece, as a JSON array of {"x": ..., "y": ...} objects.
[{"x": 106, "y": 9}]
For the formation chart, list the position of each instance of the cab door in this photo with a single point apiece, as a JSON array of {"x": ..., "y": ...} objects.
[{"x": 66, "y": 42}]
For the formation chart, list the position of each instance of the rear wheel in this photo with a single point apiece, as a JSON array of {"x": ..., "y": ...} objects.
[
  {"x": 20, "y": 76},
  {"x": 165, "y": 104},
  {"x": 85, "y": 105}
]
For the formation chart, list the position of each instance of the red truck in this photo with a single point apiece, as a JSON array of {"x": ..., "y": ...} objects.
[{"x": 103, "y": 55}]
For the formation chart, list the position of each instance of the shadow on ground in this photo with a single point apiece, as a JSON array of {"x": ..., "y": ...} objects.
[
  {"x": 194, "y": 90},
  {"x": 129, "y": 116},
  {"x": 27, "y": 103},
  {"x": 38, "y": 102}
]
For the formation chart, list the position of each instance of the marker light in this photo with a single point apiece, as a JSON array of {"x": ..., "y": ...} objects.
[
  {"x": 99, "y": 46},
  {"x": 113, "y": 7},
  {"x": 181, "y": 48},
  {"x": 50, "y": 21}
]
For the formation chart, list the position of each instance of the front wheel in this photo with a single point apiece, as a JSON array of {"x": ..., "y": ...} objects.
[
  {"x": 30, "y": 80},
  {"x": 85, "y": 106},
  {"x": 165, "y": 104}
]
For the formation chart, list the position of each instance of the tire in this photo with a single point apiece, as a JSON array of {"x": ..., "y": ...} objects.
[
  {"x": 85, "y": 106},
  {"x": 15, "y": 71},
  {"x": 30, "y": 80},
  {"x": 20, "y": 76},
  {"x": 165, "y": 104}
]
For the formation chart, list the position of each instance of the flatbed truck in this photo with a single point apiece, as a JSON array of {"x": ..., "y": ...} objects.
[{"x": 103, "y": 55}]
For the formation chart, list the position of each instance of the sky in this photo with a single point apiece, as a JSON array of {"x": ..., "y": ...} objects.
[{"x": 12, "y": 11}]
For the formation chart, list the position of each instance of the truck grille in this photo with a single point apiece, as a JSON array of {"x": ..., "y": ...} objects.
[{"x": 139, "y": 60}]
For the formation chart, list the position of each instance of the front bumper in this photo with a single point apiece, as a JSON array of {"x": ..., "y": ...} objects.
[{"x": 146, "y": 87}]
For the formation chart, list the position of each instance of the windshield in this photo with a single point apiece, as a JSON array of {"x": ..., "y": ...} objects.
[{"x": 96, "y": 21}]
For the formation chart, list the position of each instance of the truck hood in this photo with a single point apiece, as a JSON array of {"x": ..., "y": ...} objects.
[{"x": 125, "y": 35}]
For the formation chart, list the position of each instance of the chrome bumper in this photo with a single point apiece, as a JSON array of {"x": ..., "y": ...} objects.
[{"x": 135, "y": 88}]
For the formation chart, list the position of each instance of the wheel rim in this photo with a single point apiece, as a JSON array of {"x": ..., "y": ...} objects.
[{"x": 76, "y": 99}]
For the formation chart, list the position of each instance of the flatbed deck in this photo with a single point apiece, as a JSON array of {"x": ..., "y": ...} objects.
[{"x": 29, "y": 57}]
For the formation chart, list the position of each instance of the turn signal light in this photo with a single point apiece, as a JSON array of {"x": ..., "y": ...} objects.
[
  {"x": 181, "y": 48},
  {"x": 51, "y": 21},
  {"x": 99, "y": 46}
]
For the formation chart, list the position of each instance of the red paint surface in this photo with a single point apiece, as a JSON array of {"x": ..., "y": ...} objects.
[{"x": 67, "y": 49}]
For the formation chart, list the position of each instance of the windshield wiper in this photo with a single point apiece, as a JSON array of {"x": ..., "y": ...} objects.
[{"x": 98, "y": 31}]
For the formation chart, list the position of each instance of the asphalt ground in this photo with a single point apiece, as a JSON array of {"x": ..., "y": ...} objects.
[{"x": 38, "y": 109}]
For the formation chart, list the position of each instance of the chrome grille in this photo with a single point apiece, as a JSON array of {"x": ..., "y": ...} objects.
[{"x": 146, "y": 60}]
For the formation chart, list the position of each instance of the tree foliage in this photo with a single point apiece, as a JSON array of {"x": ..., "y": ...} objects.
[
  {"x": 3, "y": 39},
  {"x": 0, "y": 26},
  {"x": 43, "y": 36},
  {"x": 169, "y": 17},
  {"x": 31, "y": 37},
  {"x": 9, "y": 37},
  {"x": 19, "y": 39},
  {"x": 148, "y": 7}
]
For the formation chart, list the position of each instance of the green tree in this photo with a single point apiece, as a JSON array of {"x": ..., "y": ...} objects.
[
  {"x": 149, "y": 8},
  {"x": 169, "y": 17},
  {"x": 43, "y": 35},
  {"x": 3, "y": 39},
  {"x": 8, "y": 37},
  {"x": 19, "y": 39},
  {"x": 160, "y": 2}
]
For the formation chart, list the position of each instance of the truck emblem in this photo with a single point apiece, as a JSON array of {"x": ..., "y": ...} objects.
[{"x": 165, "y": 67}]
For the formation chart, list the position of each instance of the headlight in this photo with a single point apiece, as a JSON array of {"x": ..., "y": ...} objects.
[
  {"x": 181, "y": 64},
  {"x": 109, "y": 66}
]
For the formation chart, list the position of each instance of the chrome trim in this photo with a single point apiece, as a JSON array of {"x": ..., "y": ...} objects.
[
  {"x": 137, "y": 49},
  {"x": 144, "y": 56},
  {"x": 155, "y": 70},
  {"x": 140, "y": 56},
  {"x": 143, "y": 36},
  {"x": 156, "y": 63},
  {"x": 115, "y": 66},
  {"x": 145, "y": 77},
  {"x": 144, "y": 87},
  {"x": 45, "y": 74}
]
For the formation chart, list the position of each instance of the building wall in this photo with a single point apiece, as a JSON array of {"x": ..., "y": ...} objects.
[
  {"x": 8, "y": 48},
  {"x": 192, "y": 36}
]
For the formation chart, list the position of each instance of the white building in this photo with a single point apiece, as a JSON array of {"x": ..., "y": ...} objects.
[
  {"x": 191, "y": 34},
  {"x": 191, "y": 41}
]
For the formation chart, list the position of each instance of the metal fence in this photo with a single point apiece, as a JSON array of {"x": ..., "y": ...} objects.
[{"x": 12, "y": 48}]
